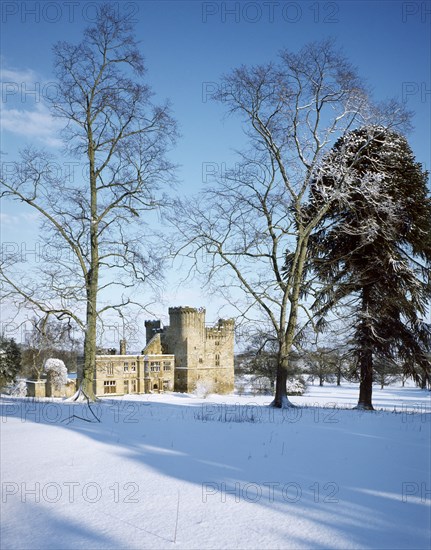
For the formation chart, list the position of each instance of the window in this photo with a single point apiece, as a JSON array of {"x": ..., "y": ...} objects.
[
  {"x": 201, "y": 360},
  {"x": 217, "y": 343},
  {"x": 126, "y": 367},
  {"x": 110, "y": 370},
  {"x": 133, "y": 367},
  {"x": 109, "y": 386},
  {"x": 166, "y": 365},
  {"x": 217, "y": 360},
  {"x": 155, "y": 366},
  {"x": 133, "y": 383}
]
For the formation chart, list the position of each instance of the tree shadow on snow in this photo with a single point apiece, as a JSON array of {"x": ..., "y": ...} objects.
[{"x": 316, "y": 474}]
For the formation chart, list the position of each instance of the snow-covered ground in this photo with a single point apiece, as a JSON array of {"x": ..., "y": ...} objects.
[{"x": 176, "y": 471}]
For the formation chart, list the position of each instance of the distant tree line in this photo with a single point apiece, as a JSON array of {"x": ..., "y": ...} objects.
[
  {"x": 256, "y": 368},
  {"x": 46, "y": 339}
]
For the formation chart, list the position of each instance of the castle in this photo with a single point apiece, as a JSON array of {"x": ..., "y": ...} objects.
[{"x": 177, "y": 358}]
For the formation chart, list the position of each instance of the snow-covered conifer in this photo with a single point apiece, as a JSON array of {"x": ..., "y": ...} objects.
[
  {"x": 373, "y": 247},
  {"x": 10, "y": 360}
]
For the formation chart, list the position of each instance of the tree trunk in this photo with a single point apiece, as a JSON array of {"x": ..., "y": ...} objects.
[
  {"x": 365, "y": 358},
  {"x": 281, "y": 400},
  {"x": 366, "y": 384},
  {"x": 36, "y": 370},
  {"x": 89, "y": 348},
  {"x": 92, "y": 281}
]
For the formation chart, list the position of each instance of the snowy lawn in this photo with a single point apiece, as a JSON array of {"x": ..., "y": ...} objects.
[{"x": 175, "y": 471}]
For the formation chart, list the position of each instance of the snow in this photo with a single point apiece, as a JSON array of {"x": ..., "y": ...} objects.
[
  {"x": 57, "y": 371},
  {"x": 179, "y": 471},
  {"x": 19, "y": 388}
]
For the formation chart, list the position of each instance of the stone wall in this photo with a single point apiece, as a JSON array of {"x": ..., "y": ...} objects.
[
  {"x": 124, "y": 374},
  {"x": 176, "y": 358},
  {"x": 201, "y": 354},
  {"x": 44, "y": 388},
  {"x": 65, "y": 391},
  {"x": 36, "y": 388}
]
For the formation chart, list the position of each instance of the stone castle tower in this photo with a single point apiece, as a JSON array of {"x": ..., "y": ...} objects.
[{"x": 202, "y": 354}]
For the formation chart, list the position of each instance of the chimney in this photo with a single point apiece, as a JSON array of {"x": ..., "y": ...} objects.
[{"x": 123, "y": 347}]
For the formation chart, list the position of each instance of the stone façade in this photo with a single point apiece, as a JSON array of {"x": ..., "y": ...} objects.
[{"x": 177, "y": 357}]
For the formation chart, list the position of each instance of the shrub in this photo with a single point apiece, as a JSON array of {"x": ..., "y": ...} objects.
[
  {"x": 19, "y": 388},
  {"x": 203, "y": 388},
  {"x": 295, "y": 386},
  {"x": 57, "y": 372}
]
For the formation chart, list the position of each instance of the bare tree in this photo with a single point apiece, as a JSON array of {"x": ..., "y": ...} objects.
[
  {"x": 323, "y": 364},
  {"x": 93, "y": 223},
  {"x": 48, "y": 338},
  {"x": 260, "y": 360},
  {"x": 253, "y": 222}
]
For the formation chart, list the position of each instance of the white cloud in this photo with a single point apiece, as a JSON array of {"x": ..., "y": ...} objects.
[
  {"x": 16, "y": 220},
  {"x": 19, "y": 76},
  {"x": 24, "y": 112},
  {"x": 7, "y": 219},
  {"x": 37, "y": 124}
]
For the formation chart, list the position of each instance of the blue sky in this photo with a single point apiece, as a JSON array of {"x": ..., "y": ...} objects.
[{"x": 188, "y": 45}]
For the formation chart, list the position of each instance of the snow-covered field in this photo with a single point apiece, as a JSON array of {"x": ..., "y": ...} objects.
[{"x": 176, "y": 471}]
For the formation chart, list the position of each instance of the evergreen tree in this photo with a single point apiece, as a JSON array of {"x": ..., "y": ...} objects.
[
  {"x": 10, "y": 360},
  {"x": 374, "y": 248}
]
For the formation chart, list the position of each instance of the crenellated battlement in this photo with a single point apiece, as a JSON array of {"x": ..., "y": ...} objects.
[
  {"x": 224, "y": 328},
  {"x": 184, "y": 310},
  {"x": 200, "y": 355}
]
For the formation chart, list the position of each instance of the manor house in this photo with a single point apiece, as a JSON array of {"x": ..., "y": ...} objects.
[{"x": 176, "y": 358}]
